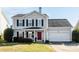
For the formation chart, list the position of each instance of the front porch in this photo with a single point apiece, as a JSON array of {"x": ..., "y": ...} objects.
[{"x": 37, "y": 35}]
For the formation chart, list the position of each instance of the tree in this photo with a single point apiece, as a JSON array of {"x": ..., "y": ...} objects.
[
  {"x": 75, "y": 35},
  {"x": 8, "y": 34}
]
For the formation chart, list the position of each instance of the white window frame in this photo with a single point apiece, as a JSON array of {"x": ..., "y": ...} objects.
[
  {"x": 39, "y": 23},
  {"x": 20, "y": 22},
  {"x": 29, "y": 23}
]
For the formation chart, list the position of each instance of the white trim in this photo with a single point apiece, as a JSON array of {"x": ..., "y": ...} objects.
[
  {"x": 44, "y": 35},
  {"x": 34, "y": 35}
]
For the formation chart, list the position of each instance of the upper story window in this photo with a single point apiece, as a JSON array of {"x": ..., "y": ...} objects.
[
  {"x": 29, "y": 22},
  {"x": 42, "y": 22},
  {"x": 39, "y": 23},
  {"x": 17, "y": 22},
  {"x": 20, "y": 22}
]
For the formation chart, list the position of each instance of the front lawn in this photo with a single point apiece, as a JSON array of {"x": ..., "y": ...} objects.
[{"x": 18, "y": 47}]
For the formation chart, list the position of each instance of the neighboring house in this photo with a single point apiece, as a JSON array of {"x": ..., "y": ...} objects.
[
  {"x": 38, "y": 26},
  {"x": 3, "y": 22},
  {"x": 77, "y": 26}
]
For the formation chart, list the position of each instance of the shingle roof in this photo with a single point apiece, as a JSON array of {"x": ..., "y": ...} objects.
[
  {"x": 19, "y": 15},
  {"x": 58, "y": 23}
]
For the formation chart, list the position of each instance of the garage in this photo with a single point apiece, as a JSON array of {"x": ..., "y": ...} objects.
[
  {"x": 59, "y": 36},
  {"x": 59, "y": 30}
]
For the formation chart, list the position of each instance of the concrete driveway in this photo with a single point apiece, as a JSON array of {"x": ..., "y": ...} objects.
[{"x": 66, "y": 47}]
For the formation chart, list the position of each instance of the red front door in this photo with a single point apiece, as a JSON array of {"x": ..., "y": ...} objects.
[{"x": 39, "y": 35}]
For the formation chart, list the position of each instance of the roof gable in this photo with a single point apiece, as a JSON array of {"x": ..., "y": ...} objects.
[
  {"x": 35, "y": 13},
  {"x": 18, "y": 15},
  {"x": 29, "y": 14}
]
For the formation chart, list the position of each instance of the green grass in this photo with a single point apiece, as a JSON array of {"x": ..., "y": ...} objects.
[{"x": 18, "y": 47}]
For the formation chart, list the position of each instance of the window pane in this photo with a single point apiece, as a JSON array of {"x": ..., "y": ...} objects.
[
  {"x": 29, "y": 22},
  {"x": 39, "y": 22}
]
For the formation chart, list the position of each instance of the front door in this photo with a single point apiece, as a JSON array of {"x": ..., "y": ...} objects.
[{"x": 39, "y": 35}]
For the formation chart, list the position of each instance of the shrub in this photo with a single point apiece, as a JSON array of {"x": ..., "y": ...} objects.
[
  {"x": 23, "y": 40},
  {"x": 8, "y": 34},
  {"x": 75, "y": 36},
  {"x": 47, "y": 41}
]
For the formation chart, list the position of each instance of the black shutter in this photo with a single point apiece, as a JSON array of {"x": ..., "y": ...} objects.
[
  {"x": 27, "y": 34},
  {"x": 36, "y": 22},
  {"x": 32, "y": 22},
  {"x": 42, "y": 22},
  {"x": 17, "y": 22},
  {"x": 17, "y": 34},
  {"x": 23, "y": 23},
  {"x": 26, "y": 22}
]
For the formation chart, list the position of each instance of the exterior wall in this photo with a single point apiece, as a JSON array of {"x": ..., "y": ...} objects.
[
  {"x": 59, "y": 34},
  {"x": 30, "y": 17},
  {"x": 47, "y": 33},
  {"x": 20, "y": 32}
]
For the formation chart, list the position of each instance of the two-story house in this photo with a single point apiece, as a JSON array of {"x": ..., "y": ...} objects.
[{"x": 38, "y": 26}]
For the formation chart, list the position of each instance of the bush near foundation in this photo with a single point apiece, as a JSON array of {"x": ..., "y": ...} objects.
[
  {"x": 23, "y": 40},
  {"x": 75, "y": 36},
  {"x": 46, "y": 41},
  {"x": 8, "y": 34}
]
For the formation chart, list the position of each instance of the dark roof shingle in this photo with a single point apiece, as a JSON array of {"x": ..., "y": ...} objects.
[
  {"x": 19, "y": 15},
  {"x": 58, "y": 23}
]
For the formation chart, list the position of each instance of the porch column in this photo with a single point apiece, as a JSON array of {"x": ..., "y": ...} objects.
[
  {"x": 44, "y": 35},
  {"x": 34, "y": 35},
  {"x": 47, "y": 34}
]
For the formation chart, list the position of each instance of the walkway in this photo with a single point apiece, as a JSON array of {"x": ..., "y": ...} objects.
[{"x": 66, "y": 47}]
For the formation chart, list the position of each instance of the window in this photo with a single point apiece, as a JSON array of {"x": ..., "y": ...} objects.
[
  {"x": 42, "y": 22},
  {"x": 23, "y": 22},
  {"x": 39, "y": 23},
  {"x": 29, "y": 22},
  {"x": 26, "y": 22},
  {"x": 17, "y": 22},
  {"x": 32, "y": 22},
  {"x": 17, "y": 34},
  {"x": 20, "y": 22},
  {"x": 36, "y": 22}
]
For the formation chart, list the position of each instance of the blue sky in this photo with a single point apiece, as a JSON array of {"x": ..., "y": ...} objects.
[{"x": 70, "y": 13}]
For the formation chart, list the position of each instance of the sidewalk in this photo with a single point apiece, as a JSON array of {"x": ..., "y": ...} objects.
[{"x": 66, "y": 48}]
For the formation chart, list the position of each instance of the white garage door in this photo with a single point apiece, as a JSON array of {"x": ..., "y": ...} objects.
[{"x": 59, "y": 36}]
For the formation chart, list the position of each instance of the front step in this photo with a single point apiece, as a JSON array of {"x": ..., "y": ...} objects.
[{"x": 39, "y": 41}]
